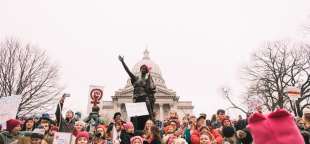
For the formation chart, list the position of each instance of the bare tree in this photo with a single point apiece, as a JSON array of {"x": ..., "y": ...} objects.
[
  {"x": 26, "y": 71},
  {"x": 226, "y": 92},
  {"x": 275, "y": 67}
]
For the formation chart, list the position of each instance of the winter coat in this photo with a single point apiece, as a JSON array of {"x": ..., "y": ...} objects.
[
  {"x": 64, "y": 125},
  {"x": 195, "y": 137},
  {"x": 187, "y": 135},
  {"x": 7, "y": 138},
  {"x": 125, "y": 137},
  {"x": 217, "y": 136}
]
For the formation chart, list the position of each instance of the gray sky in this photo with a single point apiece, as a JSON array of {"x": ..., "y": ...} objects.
[{"x": 199, "y": 45}]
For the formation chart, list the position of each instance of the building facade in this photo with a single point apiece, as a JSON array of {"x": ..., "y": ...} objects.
[{"x": 166, "y": 99}]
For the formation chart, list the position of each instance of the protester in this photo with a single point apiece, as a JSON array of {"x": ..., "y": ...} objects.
[
  {"x": 93, "y": 119},
  {"x": 82, "y": 138},
  {"x": 220, "y": 115},
  {"x": 229, "y": 135},
  {"x": 77, "y": 116},
  {"x": 136, "y": 140},
  {"x": 221, "y": 129},
  {"x": 13, "y": 127},
  {"x": 45, "y": 124},
  {"x": 99, "y": 138},
  {"x": 101, "y": 129},
  {"x": 151, "y": 133},
  {"x": 241, "y": 123},
  {"x": 127, "y": 133},
  {"x": 195, "y": 134},
  {"x": 215, "y": 136},
  {"x": 206, "y": 138},
  {"x": 78, "y": 127},
  {"x": 29, "y": 124},
  {"x": 306, "y": 119},
  {"x": 37, "y": 137},
  {"x": 65, "y": 124}
]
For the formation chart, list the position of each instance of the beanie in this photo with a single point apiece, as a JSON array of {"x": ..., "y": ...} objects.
[
  {"x": 306, "y": 110},
  {"x": 136, "y": 137},
  {"x": 228, "y": 132},
  {"x": 276, "y": 127},
  {"x": 101, "y": 126},
  {"x": 82, "y": 123},
  {"x": 82, "y": 134},
  {"x": 11, "y": 124},
  {"x": 38, "y": 133},
  {"x": 128, "y": 125}
]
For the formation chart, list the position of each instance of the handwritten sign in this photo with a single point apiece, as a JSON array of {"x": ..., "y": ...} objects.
[
  {"x": 136, "y": 109},
  {"x": 62, "y": 138},
  {"x": 9, "y": 106}
]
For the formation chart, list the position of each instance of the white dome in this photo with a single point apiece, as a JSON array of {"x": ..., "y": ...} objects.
[
  {"x": 155, "y": 70},
  {"x": 146, "y": 61}
]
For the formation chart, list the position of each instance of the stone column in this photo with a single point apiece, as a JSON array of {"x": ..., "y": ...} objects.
[{"x": 161, "y": 112}]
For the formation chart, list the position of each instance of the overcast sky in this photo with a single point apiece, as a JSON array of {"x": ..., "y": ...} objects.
[{"x": 199, "y": 45}]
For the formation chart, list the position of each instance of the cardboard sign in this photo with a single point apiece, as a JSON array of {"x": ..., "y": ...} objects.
[
  {"x": 8, "y": 107},
  {"x": 62, "y": 138},
  {"x": 136, "y": 109}
]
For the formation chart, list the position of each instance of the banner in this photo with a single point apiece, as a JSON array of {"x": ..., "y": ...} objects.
[
  {"x": 62, "y": 138},
  {"x": 94, "y": 97},
  {"x": 136, "y": 109},
  {"x": 8, "y": 107}
]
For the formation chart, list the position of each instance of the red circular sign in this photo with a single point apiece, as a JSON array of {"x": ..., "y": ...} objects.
[{"x": 96, "y": 94}]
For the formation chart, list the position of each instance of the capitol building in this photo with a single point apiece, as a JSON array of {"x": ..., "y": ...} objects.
[{"x": 166, "y": 99}]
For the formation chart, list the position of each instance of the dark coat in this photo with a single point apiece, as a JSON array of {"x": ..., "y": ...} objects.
[
  {"x": 64, "y": 124},
  {"x": 125, "y": 137}
]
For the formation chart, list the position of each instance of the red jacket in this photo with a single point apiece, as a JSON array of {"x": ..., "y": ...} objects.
[
  {"x": 217, "y": 136},
  {"x": 195, "y": 137}
]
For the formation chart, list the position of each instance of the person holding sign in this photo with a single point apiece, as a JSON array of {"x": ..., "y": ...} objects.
[
  {"x": 65, "y": 124},
  {"x": 144, "y": 90}
]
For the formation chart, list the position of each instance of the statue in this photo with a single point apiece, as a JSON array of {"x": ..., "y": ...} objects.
[{"x": 144, "y": 88}]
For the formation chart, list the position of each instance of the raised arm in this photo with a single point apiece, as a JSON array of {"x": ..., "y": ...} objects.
[
  {"x": 132, "y": 76},
  {"x": 59, "y": 109}
]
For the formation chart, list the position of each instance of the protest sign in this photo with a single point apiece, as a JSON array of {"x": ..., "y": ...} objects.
[
  {"x": 136, "y": 109},
  {"x": 254, "y": 102},
  {"x": 95, "y": 96},
  {"x": 62, "y": 138},
  {"x": 9, "y": 107}
]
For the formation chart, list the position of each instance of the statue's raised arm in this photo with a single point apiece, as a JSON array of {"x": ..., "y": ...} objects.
[{"x": 131, "y": 75}]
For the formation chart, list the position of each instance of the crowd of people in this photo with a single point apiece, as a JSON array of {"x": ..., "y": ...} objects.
[{"x": 190, "y": 129}]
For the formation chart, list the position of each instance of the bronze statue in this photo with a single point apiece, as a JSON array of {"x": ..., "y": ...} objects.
[{"x": 144, "y": 87}]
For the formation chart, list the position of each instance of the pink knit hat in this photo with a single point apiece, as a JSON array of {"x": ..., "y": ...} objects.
[
  {"x": 82, "y": 134},
  {"x": 136, "y": 137},
  {"x": 275, "y": 128},
  {"x": 128, "y": 125},
  {"x": 101, "y": 126}
]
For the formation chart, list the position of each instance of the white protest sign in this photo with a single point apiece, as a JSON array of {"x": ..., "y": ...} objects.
[
  {"x": 293, "y": 92},
  {"x": 254, "y": 102},
  {"x": 136, "y": 109},
  {"x": 8, "y": 107},
  {"x": 62, "y": 138}
]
